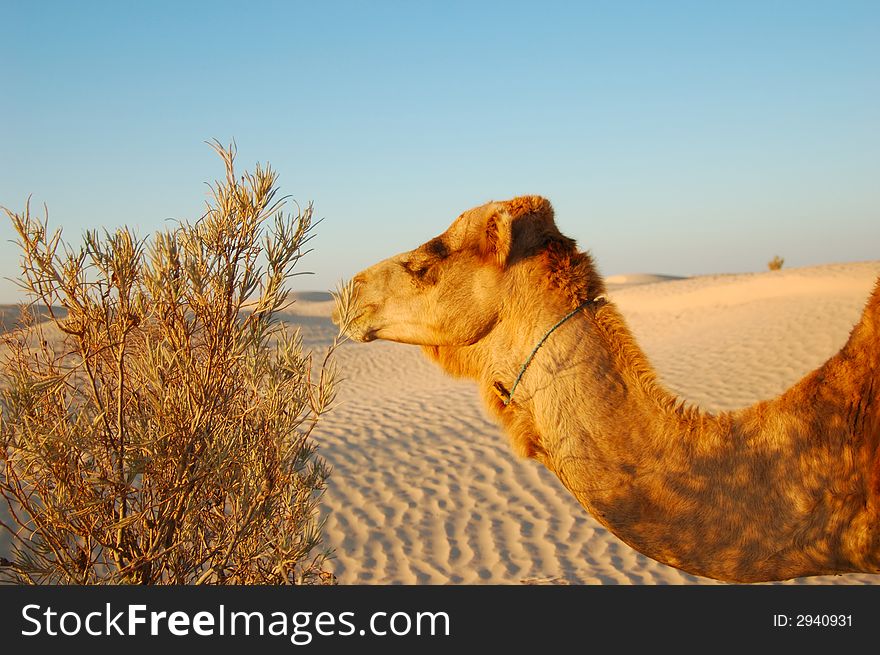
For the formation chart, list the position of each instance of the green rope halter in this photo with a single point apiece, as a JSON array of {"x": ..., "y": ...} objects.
[{"x": 507, "y": 396}]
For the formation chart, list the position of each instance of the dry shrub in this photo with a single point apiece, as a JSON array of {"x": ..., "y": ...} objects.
[
  {"x": 776, "y": 263},
  {"x": 162, "y": 435}
]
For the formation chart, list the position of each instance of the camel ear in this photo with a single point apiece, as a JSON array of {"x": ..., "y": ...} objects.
[
  {"x": 496, "y": 238},
  {"x": 516, "y": 227}
]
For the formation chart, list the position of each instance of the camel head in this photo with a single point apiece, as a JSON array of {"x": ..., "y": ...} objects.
[{"x": 450, "y": 290}]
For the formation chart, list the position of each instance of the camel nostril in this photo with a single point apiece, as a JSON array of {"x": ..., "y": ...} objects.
[{"x": 358, "y": 279}]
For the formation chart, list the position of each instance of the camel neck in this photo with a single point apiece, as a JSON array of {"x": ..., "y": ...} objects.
[
  {"x": 507, "y": 396},
  {"x": 707, "y": 494},
  {"x": 626, "y": 414}
]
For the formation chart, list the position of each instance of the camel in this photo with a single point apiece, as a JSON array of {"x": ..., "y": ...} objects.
[{"x": 788, "y": 487}]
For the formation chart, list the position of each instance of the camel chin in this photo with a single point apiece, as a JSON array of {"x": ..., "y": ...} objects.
[
  {"x": 362, "y": 333},
  {"x": 364, "y": 337}
]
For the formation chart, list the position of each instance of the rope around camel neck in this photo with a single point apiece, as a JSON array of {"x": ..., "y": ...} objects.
[{"x": 507, "y": 396}]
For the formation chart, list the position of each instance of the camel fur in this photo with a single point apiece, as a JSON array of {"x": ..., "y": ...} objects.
[{"x": 788, "y": 487}]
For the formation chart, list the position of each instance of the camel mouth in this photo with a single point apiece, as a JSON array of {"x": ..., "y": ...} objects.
[
  {"x": 361, "y": 332},
  {"x": 367, "y": 337},
  {"x": 359, "y": 328},
  {"x": 363, "y": 335}
]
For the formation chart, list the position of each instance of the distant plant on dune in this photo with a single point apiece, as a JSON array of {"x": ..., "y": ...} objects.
[
  {"x": 776, "y": 263},
  {"x": 165, "y": 436}
]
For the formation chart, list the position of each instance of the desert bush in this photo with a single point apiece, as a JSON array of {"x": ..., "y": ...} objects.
[
  {"x": 160, "y": 431},
  {"x": 776, "y": 263}
]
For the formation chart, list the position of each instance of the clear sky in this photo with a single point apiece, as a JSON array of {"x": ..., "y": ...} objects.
[{"x": 671, "y": 137}]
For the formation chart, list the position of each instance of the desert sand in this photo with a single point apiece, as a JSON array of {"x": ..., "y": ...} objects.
[{"x": 425, "y": 488}]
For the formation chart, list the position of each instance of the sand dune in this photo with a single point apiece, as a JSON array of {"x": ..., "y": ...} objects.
[
  {"x": 425, "y": 488},
  {"x": 629, "y": 279}
]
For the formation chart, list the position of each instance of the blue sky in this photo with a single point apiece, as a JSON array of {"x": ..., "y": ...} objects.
[{"x": 673, "y": 137}]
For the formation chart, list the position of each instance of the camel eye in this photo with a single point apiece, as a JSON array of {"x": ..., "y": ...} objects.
[
  {"x": 422, "y": 272},
  {"x": 422, "y": 267},
  {"x": 416, "y": 269}
]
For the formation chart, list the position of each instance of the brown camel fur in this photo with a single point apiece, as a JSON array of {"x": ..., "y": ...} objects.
[{"x": 788, "y": 487}]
